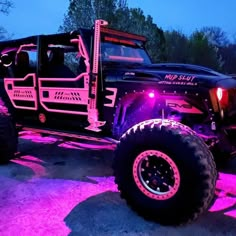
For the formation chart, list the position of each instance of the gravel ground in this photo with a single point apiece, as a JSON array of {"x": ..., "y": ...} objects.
[{"x": 66, "y": 188}]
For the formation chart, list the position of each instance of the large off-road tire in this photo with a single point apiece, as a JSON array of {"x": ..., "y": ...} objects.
[
  {"x": 8, "y": 135},
  {"x": 165, "y": 172}
]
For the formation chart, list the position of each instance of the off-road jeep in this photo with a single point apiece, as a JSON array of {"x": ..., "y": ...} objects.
[{"x": 169, "y": 120}]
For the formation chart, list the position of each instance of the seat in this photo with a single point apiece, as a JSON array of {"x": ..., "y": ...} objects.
[
  {"x": 22, "y": 64},
  {"x": 57, "y": 68},
  {"x": 81, "y": 67}
]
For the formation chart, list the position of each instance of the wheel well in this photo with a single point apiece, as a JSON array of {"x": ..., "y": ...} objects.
[
  {"x": 126, "y": 105},
  {"x": 132, "y": 109},
  {"x": 155, "y": 107},
  {"x": 135, "y": 108}
]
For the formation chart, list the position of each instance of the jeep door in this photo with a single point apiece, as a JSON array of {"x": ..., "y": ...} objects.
[
  {"x": 63, "y": 82},
  {"x": 20, "y": 79}
]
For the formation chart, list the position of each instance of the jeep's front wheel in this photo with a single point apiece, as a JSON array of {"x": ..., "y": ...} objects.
[
  {"x": 165, "y": 172},
  {"x": 8, "y": 135}
]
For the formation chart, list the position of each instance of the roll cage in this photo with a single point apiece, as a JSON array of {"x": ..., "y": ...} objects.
[{"x": 36, "y": 88}]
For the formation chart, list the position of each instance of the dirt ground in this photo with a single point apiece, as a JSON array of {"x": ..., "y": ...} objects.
[{"x": 66, "y": 188}]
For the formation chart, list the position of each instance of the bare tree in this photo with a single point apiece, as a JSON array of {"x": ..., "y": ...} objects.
[
  {"x": 215, "y": 36},
  {"x": 3, "y": 32},
  {"x": 5, "y": 6}
]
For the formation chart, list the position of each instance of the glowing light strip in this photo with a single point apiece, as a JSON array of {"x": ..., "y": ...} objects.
[
  {"x": 120, "y": 58},
  {"x": 121, "y": 41},
  {"x": 123, "y": 34}
]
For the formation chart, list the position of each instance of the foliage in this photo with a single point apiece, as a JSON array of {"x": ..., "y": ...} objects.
[
  {"x": 228, "y": 54},
  {"x": 177, "y": 47},
  {"x": 136, "y": 22},
  {"x": 203, "y": 47},
  {"x": 203, "y": 52},
  {"x": 119, "y": 16},
  {"x": 84, "y": 13},
  {"x": 208, "y": 46}
]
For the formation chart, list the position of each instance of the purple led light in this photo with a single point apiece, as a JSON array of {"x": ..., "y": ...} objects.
[{"x": 151, "y": 95}]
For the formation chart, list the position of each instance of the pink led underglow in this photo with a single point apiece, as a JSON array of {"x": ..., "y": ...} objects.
[{"x": 151, "y": 95}]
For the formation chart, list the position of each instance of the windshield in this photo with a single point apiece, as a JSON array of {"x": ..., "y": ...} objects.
[{"x": 131, "y": 53}]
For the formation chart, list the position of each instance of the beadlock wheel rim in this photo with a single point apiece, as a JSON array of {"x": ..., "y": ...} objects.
[{"x": 156, "y": 175}]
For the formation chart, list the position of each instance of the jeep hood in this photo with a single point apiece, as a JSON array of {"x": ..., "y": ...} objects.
[{"x": 173, "y": 74}]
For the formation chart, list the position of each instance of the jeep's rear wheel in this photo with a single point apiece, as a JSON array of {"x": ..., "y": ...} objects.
[
  {"x": 8, "y": 135},
  {"x": 165, "y": 172}
]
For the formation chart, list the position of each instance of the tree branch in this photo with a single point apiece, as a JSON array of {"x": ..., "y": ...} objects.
[{"x": 5, "y": 5}]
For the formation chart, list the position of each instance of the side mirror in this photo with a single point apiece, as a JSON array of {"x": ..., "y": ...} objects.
[{"x": 5, "y": 60}]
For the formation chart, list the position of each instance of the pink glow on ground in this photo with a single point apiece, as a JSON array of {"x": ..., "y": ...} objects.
[
  {"x": 39, "y": 204},
  {"x": 50, "y": 203},
  {"x": 231, "y": 213},
  {"x": 92, "y": 146},
  {"x": 226, "y": 183},
  {"x": 69, "y": 146},
  {"x": 33, "y": 163},
  {"x": 223, "y": 203},
  {"x": 37, "y": 138},
  {"x": 226, "y": 192}
]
